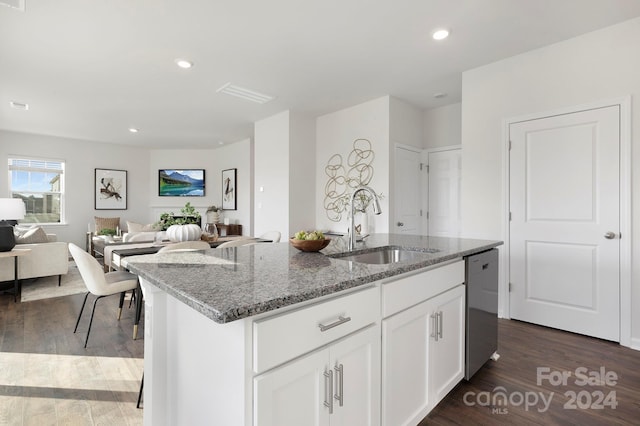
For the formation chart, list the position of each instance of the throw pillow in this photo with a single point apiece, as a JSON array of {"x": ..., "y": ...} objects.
[
  {"x": 106, "y": 223},
  {"x": 19, "y": 230},
  {"x": 32, "y": 236},
  {"x": 139, "y": 227}
]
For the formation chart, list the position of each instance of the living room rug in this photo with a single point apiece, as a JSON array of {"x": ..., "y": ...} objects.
[{"x": 47, "y": 287}]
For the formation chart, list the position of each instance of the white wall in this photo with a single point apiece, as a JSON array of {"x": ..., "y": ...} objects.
[
  {"x": 271, "y": 174},
  {"x": 405, "y": 123},
  {"x": 236, "y": 155},
  {"x": 335, "y": 134},
  {"x": 302, "y": 173},
  {"x": 81, "y": 158},
  {"x": 442, "y": 126},
  {"x": 597, "y": 66}
]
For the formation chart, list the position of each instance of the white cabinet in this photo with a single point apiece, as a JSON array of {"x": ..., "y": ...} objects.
[
  {"x": 336, "y": 385},
  {"x": 422, "y": 345},
  {"x": 446, "y": 354},
  {"x": 405, "y": 366}
]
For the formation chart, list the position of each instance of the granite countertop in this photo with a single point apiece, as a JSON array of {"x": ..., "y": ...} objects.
[{"x": 233, "y": 283}]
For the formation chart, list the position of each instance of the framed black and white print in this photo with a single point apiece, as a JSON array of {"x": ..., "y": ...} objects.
[
  {"x": 229, "y": 189},
  {"x": 111, "y": 189}
]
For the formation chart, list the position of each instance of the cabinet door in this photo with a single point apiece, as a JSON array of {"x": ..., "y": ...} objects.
[
  {"x": 356, "y": 390},
  {"x": 446, "y": 355},
  {"x": 405, "y": 374},
  {"x": 293, "y": 394}
]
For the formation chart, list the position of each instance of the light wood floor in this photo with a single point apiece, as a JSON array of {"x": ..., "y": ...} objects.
[{"x": 48, "y": 378}]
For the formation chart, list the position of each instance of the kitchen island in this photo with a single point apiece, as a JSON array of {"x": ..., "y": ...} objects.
[{"x": 265, "y": 334}]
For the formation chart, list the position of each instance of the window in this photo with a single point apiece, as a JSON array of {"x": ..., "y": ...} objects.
[{"x": 40, "y": 184}]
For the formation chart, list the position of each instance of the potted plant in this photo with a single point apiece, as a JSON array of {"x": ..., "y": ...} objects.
[{"x": 189, "y": 215}]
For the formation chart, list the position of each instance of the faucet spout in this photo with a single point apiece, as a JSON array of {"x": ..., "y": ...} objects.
[{"x": 376, "y": 210}]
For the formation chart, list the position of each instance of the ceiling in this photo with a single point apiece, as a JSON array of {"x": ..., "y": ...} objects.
[{"x": 93, "y": 69}]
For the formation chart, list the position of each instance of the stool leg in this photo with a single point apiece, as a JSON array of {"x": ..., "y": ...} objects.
[
  {"x": 140, "y": 393},
  {"x": 138, "y": 293},
  {"x": 91, "y": 319},
  {"x": 80, "y": 314},
  {"x": 121, "y": 304}
]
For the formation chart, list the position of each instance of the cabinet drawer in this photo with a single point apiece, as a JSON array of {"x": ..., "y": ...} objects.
[
  {"x": 281, "y": 338},
  {"x": 408, "y": 291}
]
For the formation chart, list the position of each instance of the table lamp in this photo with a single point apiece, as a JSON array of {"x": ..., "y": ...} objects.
[{"x": 11, "y": 210}]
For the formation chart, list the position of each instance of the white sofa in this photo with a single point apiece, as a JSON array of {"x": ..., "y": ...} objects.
[
  {"x": 130, "y": 237},
  {"x": 45, "y": 259}
]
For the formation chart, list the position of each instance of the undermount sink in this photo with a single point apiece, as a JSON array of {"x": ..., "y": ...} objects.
[{"x": 386, "y": 255}]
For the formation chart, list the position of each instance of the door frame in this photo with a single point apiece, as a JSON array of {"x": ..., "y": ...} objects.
[{"x": 625, "y": 207}]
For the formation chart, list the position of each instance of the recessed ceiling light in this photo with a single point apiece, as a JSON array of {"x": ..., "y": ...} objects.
[
  {"x": 220, "y": 143},
  {"x": 19, "y": 105},
  {"x": 183, "y": 63},
  {"x": 439, "y": 95},
  {"x": 133, "y": 130},
  {"x": 440, "y": 34},
  {"x": 241, "y": 92}
]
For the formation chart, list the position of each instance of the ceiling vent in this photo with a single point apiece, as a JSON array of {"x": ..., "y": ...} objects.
[
  {"x": 14, "y": 4},
  {"x": 241, "y": 92},
  {"x": 19, "y": 105}
]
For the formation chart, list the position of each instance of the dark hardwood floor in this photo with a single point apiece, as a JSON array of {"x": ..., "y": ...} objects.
[
  {"x": 524, "y": 348},
  {"x": 73, "y": 385}
]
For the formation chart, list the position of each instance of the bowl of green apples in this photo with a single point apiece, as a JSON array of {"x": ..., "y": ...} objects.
[{"x": 309, "y": 241}]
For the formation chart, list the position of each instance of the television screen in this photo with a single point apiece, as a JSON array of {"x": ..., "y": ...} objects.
[{"x": 177, "y": 183}]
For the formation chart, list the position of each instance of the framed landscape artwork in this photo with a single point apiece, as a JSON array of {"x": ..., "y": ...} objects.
[
  {"x": 181, "y": 183},
  {"x": 110, "y": 189},
  {"x": 229, "y": 189}
]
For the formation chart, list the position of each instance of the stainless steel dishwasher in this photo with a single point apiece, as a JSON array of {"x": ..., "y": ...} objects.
[{"x": 481, "y": 282}]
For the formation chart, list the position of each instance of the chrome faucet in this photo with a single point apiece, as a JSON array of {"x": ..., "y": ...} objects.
[{"x": 376, "y": 210}]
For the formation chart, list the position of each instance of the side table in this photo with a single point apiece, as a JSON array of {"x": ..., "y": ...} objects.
[
  {"x": 227, "y": 230},
  {"x": 15, "y": 253}
]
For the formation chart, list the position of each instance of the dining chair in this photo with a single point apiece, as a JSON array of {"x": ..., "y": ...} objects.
[
  {"x": 186, "y": 245},
  {"x": 274, "y": 236},
  {"x": 100, "y": 284},
  {"x": 236, "y": 243}
]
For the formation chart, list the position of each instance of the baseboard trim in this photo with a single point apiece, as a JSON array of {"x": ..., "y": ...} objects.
[{"x": 635, "y": 343}]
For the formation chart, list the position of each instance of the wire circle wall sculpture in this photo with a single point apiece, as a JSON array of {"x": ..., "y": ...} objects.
[{"x": 343, "y": 181}]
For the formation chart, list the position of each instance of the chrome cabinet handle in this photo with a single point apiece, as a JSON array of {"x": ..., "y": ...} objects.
[
  {"x": 340, "y": 384},
  {"x": 610, "y": 235},
  {"x": 440, "y": 321},
  {"x": 434, "y": 324},
  {"x": 341, "y": 320},
  {"x": 328, "y": 390}
]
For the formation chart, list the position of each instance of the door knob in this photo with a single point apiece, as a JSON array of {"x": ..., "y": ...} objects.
[
  {"x": 610, "y": 235},
  {"x": 400, "y": 224}
]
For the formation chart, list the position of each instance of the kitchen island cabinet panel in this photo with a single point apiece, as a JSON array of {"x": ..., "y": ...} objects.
[
  {"x": 446, "y": 355},
  {"x": 422, "y": 357},
  {"x": 338, "y": 385}
]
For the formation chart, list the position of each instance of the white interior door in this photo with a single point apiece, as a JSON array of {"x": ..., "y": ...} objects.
[
  {"x": 565, "y": 222},
  {"x": 443, "y": 193},
  {"x": 407, "y": 192}
]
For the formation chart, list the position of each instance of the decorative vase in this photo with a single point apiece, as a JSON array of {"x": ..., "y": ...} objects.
[
  {"x": 213, "y": 217},
  {"x": 210, "y": 232},
  {"x": 189, "y": 232}
]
